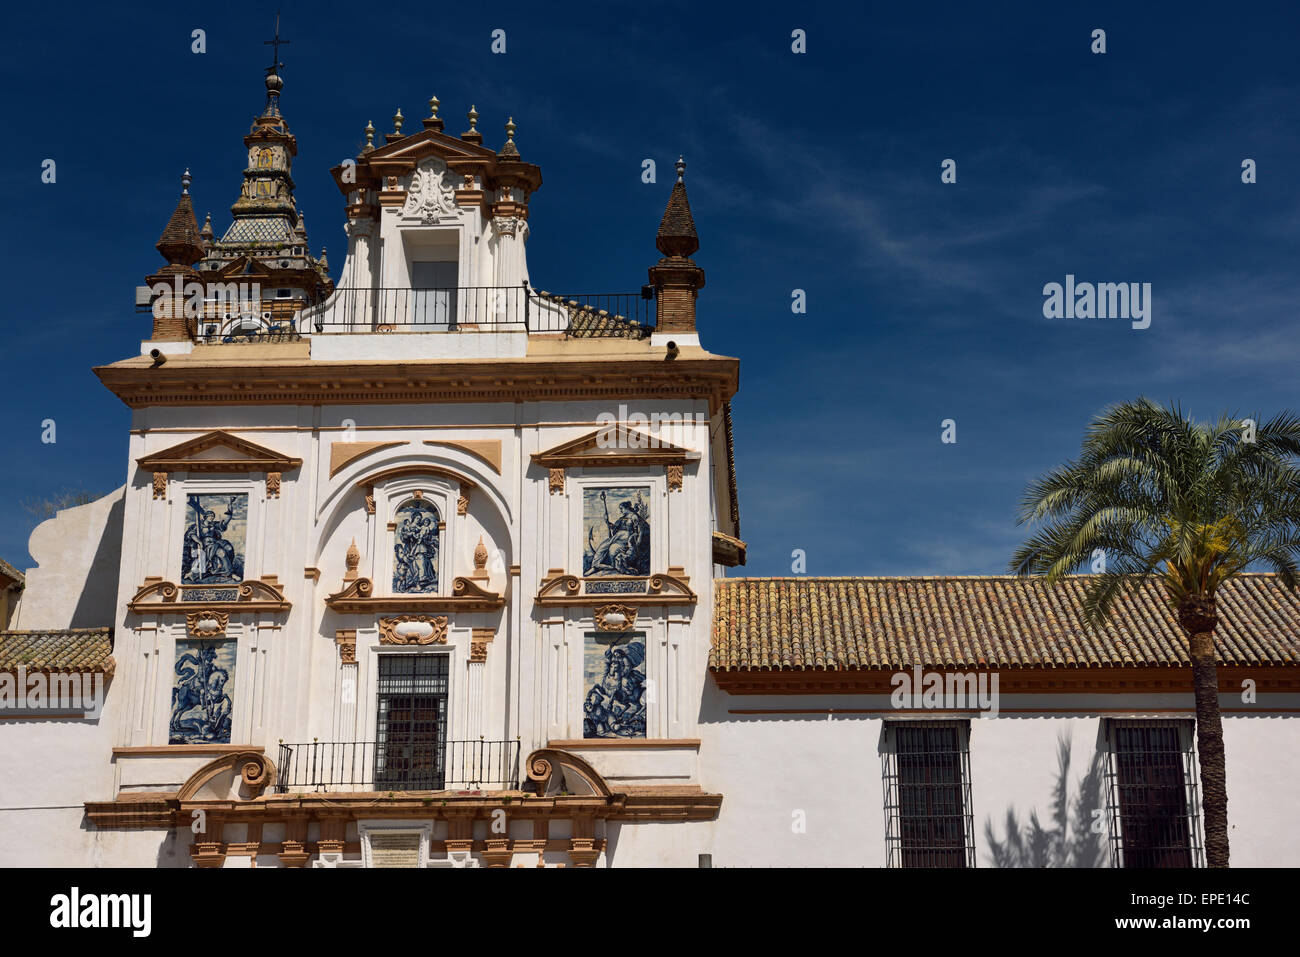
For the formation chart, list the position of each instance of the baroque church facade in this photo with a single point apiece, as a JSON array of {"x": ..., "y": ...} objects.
[{"x": 434, "y": 568}]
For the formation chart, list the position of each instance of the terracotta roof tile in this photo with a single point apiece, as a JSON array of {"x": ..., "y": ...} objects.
[
  {"x": 770, "y": 624},
  {"x": 61, "y": 651}
]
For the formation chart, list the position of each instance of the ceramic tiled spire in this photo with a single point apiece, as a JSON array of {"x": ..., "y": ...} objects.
[{"x": 266, "y": 226}]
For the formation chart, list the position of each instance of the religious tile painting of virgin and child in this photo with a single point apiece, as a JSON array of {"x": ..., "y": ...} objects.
[
  {"x": 215, "y": 530},
  {"x": 614, "y": 669},
  {"x": 202, "y": 680},
  {"x": 415, "y": 549},
  {"x": 616, "y": 523}
]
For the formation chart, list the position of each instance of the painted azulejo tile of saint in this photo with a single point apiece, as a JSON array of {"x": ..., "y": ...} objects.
[
  {"x": 618, "y": 536},
  {"x": 201, "y": 705},
  {"x": 615, "y": 704},
  {"x": 215, "y": 528},
  {"x": 415, "y": 549}
]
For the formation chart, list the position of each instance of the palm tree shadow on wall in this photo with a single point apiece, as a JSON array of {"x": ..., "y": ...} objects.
[{"x": 1069, "y": 840}]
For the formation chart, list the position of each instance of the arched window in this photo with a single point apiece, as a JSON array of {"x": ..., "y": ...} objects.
[{"x": 415, "y": 548}]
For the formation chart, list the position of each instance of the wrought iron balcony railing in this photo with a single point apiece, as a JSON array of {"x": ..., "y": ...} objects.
[
  {"x": 482, "y": 308},
  {"x": 398, "y": 766},
  {"x": 465, "y": 308}
]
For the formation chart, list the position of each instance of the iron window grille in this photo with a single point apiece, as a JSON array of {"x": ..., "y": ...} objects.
[
  {"x": 1152, "y": 809},
  {"x": 926, "y": 767},
  {"x": 411, "y": 726}
]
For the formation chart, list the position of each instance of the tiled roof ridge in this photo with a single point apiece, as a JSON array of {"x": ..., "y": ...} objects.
[{"x": 927, "y": 578}]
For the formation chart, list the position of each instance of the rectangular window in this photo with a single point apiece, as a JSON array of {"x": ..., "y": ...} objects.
[
  {"x": 1151, "y": 770},
  {"x": 927, "y": 794},
  {"x": 411, "y": 727}
]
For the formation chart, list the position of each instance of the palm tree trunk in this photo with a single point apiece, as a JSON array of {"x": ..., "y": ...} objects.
[{"x": 1209, "y": 742}]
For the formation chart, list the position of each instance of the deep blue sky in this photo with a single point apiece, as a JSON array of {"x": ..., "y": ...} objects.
[{"x": 817, "y": 171}]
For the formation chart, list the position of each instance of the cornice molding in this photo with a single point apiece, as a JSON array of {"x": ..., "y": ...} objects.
[{"x": 183, "y": 382}]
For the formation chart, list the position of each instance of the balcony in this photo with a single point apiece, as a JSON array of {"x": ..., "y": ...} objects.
[
  {"x": 482, "y": 309},
  {"x": 343, "y": 766},
  {"x": 223, "y": 318}
]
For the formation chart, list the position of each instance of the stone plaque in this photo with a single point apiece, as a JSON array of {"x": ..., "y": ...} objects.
[{"x": 394, "y": 850}]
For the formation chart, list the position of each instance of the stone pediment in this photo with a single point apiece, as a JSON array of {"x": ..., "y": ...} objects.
[
  {"x": 218, "y": 452},
  {"x": 401, "y": 155},
  {"x": 562, "y": 590},
  {"x": 358, "y": 597},
  {"x": 427, "y": 143},
  {"x": 159, "y": 597},
  {"x": 613, "y": 446}
]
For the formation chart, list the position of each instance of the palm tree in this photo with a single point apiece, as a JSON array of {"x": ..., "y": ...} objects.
[{"x": 1155, "y": 493}]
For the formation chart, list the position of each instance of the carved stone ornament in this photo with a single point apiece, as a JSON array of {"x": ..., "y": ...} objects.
[
  {"x": 346, "y": 639},
  {"x": 506, "y": 225},
  {"x": 674, "y": 477},
  {"x": 351, "y": 561},
  {"x": 480, "y": 638},
  {"x": 370, "y": 500},
  {"x": 431, "y": 194},
  {"x": 159, "y": 484},
  {"x": 462, "y": 502},
  {"x": 206, "y": 624},
  {"x": 615, "y": 617},
  {"x": 359, "y": 227},
  {"x": 272, "y": 484},
  {"x": 557, "y": 480},
  {"x": 413, "y": 630}
]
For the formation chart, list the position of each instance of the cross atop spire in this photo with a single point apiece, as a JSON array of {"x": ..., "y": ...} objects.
[{"x": 275, "y": 44}]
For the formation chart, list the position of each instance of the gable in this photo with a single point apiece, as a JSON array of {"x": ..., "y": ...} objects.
[
  {"x": 218, "y": 452},
  {"x": 614, "y": 446}
]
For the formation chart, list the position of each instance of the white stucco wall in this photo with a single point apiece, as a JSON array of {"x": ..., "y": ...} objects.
[{"x": 74, "y": 583}]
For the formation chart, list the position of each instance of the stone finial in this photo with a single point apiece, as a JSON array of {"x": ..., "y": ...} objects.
[
  {"x": 352, "y": 561},
  {"x": 472, "y": 135},
  {"x": 432, "y": 121},
  {"x": 370, "y": 136},
  {"x": 206, "y": 232},
  {"x": 185, "y": 182},
  {"x": 480, "y": 561},
  {"x": 324, "y": 260},
  {"x": 681, "y": 168},
  {"x": 398, "y": 119},
  {"x": 509, "y": 149}
]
